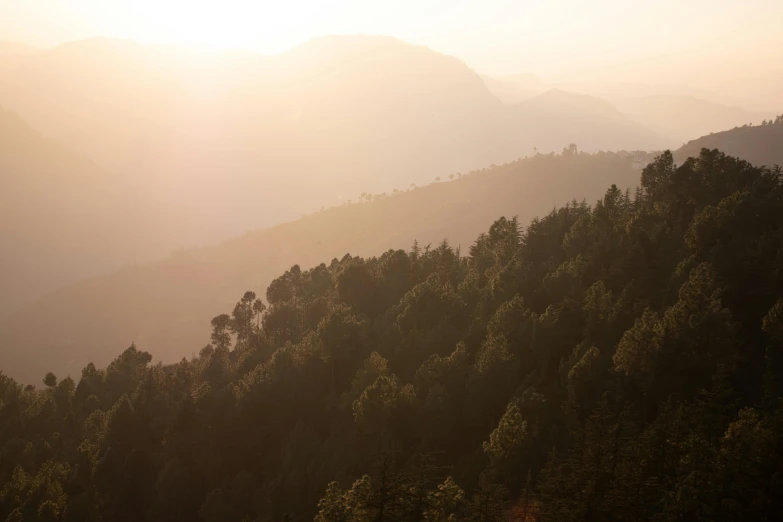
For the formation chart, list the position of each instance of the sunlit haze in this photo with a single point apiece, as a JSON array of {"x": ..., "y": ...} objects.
[
  {"x": 492, "y": 36},
  {"x": 391, "y": 260}
]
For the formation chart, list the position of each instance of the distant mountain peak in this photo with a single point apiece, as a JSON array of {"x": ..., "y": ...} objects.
[{"x": 584, "y": 102}]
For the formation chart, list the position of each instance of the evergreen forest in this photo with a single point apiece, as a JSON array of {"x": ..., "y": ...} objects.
[{"x": 618, "y": 360}]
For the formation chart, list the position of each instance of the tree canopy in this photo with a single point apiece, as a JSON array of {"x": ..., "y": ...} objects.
[{"x": 620, "y": 361}]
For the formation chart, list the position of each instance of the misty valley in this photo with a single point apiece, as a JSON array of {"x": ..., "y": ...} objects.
[{"x": 355, "y": 279}]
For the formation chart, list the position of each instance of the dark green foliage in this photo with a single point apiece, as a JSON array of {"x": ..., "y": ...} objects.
[
  {"x": 758, "y": 144},
  {"x": 617, "y": 362}
]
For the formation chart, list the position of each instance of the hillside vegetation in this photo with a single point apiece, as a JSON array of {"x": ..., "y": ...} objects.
[
  {"x": 758, "y": 144},
  {"x": 166, "y": 306},
  {"x": 184, "y": 149},
  {"x": 617, "y": 361},
  {"x": 248, "y": 141}
]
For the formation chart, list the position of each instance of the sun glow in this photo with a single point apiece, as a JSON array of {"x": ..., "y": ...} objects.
[
  {"x": 493, "y": 36},
  {"x": 262, "y": 26}
]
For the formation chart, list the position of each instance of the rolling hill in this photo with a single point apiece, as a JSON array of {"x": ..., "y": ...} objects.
[
  {"x": 556, "y": 117},
  {"x": 759, "y": 144},
  {"x": 186, "y": 149},
  {"x": 674, "y": 112},
  {"x": 166, "y": 306},
  {"x": 63, "y": 218},
  {"x": 339, "y": 115},
  {"x": 681, "y": 116},
  {"x": 516, "y": 88}
]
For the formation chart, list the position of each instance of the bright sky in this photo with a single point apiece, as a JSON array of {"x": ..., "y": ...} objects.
[{"x": 492, "y": 36}]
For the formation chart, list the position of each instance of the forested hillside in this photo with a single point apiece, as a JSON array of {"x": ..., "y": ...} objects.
[
  {"x": 758, "y": 144},
  {"x": 168, "y": 148},
  {"x": 166, "y": 306},
  {"x": 617, "y": 361}
]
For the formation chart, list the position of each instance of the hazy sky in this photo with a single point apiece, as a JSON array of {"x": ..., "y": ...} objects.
[{"x": 493, "y": 36}]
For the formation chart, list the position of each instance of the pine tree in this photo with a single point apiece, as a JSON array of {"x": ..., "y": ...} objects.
[{"x": 489, "y": 501}]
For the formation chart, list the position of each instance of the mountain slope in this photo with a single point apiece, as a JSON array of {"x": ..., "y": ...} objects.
[
  {"x": 213, "y": 134},
  {"x": 760, "y": 144},
  {"x": 682, "y": 117},
  {"x": 516, "y": 88},
  {"x": 555, "y": 118},
  {"x": 341, "y": 114},
  {"x": 166, "y": 306},
  {"x": 62, "y": 218},
  {"x": 215, "y": 145},
  {"x": 617, "y": 361}
]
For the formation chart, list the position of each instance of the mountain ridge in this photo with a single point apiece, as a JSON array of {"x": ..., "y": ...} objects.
[
  {"x": 166, "y": 306},
  {"x": 60, "y": 214},
  {"x": 225, "y": 146},
  {"x": 757, "y": 144}
]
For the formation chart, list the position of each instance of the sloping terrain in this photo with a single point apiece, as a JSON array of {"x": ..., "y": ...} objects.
[
  {"x": 198, "y": 148},
  {"x": 682, "y": 117},
  {"x": 63, "y": 218},
  {"x": 617, "y": 361},
  {"x": 248, "y": 141},
  {"x": 759, "y": 144},
  {"x": 165, "y": 307}
]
